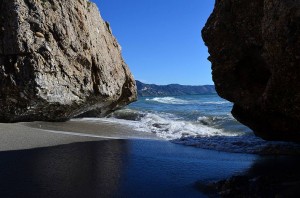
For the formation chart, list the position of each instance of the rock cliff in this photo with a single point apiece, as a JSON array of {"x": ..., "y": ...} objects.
[
  {"x": 254, "y": 48},
  {"x": 59, "y": 59}
]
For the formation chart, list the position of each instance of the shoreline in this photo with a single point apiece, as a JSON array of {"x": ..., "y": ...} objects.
[
  {"x": 130, "y": 156},
  {"x": 19, "y": 136}
]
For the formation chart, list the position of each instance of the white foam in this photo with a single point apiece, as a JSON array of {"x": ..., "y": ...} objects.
[
  {"x": 217, "y": 103},
  {"x": 211, "y": 118},
  {"x": 167, "y": 126},
  {"x": 168, "y": 100},
  {"x": 240, "y": 144},
  {"x": 173, "y": 100}
]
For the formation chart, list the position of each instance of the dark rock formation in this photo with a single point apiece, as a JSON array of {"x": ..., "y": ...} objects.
[
  {"x": 255, "y": 54},
  {"x": 268, "y": 177},
  {"x": 172, "y": 89},
  {"x": 59, "y": 59},
  {"x": 248, "y": 187}
]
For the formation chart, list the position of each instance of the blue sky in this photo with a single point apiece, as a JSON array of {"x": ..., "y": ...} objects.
[{"x": 161, "y": 39}]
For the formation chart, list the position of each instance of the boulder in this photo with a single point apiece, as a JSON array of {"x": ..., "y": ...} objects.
[
  {"x": 254, "y": 48},
  {"x": 59, "y": 59}
]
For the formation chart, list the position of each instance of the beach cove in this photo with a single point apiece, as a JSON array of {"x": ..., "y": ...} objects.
[{"x": 77, "y": 121}]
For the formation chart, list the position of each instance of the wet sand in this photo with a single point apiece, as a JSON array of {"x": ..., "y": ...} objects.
[
  {"x": 115, "y": 168},
  {"x": 43, "y": 134}
]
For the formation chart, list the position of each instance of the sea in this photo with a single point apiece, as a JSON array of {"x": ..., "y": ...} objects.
[{"x": 203, "y": 121}]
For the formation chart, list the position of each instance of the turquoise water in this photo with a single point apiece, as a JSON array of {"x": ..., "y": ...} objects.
[
  {"x": 209, "y": 110},
  {"x": 203, "y": 121},
  {"x": 206, "y": 110}
]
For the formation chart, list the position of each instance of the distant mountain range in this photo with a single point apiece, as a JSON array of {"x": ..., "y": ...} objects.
[{"x": 172, "y": 89}]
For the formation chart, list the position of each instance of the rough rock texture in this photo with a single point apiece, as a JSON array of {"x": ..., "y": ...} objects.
[
  {"x": 59, "y": 59},
  {"x": 255, "y": 53}
]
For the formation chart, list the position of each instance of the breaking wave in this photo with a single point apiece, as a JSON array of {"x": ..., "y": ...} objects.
[
  {"x": 205, "y": 132},
  {"x": 177, "y": 101},
  {"x": 168, "y": 100}
]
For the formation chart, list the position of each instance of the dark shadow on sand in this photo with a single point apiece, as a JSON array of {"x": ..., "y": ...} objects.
[
  {"x": 75, "y": 170},
  {"x": 116, "y": 168}
]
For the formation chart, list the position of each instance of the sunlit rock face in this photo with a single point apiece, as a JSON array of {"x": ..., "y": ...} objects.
[
  {"x": 254, "y": 48},
  {"x": 59, "y": 59}
]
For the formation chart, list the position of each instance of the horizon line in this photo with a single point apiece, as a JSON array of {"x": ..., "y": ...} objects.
[{"x": 173, "y": 84}]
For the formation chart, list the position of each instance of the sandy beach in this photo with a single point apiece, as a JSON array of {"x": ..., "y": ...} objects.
[{"x": 43, "y": 134}]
